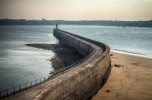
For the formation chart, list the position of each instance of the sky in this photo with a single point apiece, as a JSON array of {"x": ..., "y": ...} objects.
[{"x": 76, "y": 9}]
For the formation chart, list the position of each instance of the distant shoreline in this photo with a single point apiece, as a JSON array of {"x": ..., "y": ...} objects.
[{"x": 118, "y": 23}]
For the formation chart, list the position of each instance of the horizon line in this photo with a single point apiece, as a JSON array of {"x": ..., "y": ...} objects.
[{"x": 72, "y": 20}]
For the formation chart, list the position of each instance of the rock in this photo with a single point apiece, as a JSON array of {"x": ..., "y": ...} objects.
[
  {"x": 108, "y": 91},
  {"x": 116, "y": 65},
  {"x": 111, "y": 54}
]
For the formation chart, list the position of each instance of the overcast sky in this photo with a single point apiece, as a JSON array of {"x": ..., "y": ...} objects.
[{"x": 77, "y": 9}]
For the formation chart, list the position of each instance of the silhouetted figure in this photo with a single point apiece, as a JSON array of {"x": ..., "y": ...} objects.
[{"x": 56, "y": 26}]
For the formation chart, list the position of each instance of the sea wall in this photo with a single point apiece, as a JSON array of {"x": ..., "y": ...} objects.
[
  {"x": 87, "y": 77},
  {"x": 79, "y": 81},
  {"x": 69, "y": 40}
]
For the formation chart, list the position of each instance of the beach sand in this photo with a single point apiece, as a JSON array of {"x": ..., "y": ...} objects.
[{"x": 130, "y": 79}]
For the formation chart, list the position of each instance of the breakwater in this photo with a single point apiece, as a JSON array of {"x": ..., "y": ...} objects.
[
  {"x": 82, "y": 80},
  {"x": 88, "y": 77}
]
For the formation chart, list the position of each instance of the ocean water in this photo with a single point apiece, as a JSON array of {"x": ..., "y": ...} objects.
[
  {"x": 19, "y": 63},
  {"x": 133, "y": 40}
]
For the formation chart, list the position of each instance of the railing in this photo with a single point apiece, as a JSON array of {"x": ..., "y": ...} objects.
[{"x": 11, "y": 91}]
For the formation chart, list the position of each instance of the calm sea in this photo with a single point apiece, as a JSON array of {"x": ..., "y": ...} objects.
[{"x": 20, "y": 64}]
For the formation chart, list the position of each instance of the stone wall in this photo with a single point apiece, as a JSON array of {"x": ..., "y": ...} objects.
[
  {"x": 87, "y": 77},
  {"x": 78, "y": 44},
  {"x": 77, "y": 82}
]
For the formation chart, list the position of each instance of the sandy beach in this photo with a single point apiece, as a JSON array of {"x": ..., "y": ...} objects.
[{"x": 130, "y": 79}]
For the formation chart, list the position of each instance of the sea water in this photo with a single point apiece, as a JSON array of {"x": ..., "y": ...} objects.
[
  {"x": 133, "y": 40},
  {"x": 20, "y": 64}
]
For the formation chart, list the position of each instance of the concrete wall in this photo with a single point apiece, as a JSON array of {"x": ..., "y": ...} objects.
[{"x": 83, "y": 81}]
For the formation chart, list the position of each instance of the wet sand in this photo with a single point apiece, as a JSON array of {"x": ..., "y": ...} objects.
[
  {"x": 64, "y": 55},
  {"x": 130, "y": 79}
]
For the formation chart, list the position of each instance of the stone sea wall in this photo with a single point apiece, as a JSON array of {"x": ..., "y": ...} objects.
[{"x": 86, "y": 78}]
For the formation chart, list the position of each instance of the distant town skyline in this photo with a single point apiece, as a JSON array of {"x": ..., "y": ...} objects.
[{"x": 76, "y": 9}]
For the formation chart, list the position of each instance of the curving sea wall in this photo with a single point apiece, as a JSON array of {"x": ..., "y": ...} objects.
[
  {"x": 83, "y": 81},
  {"x": 68, "y": 39},
  {"x": 80, "y": 81}
]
